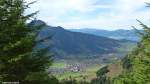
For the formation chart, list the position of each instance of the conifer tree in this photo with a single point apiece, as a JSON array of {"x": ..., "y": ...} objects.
[
  {"x": 19, "y": 61},
  {"x": 137, "y": 63}
]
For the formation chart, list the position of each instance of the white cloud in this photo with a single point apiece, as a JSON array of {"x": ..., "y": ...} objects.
[{"x": 120, "y": 13}]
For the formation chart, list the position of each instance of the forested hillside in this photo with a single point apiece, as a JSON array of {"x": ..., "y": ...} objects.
[{"x": 67, "y": 45}]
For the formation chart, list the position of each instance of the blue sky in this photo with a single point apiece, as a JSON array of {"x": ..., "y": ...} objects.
[{"x": 99, "y": 14}]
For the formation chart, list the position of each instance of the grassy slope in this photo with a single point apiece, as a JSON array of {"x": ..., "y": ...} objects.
[
  {"x": 114, "y": 70},
  {"x": 58, "y": 65}
]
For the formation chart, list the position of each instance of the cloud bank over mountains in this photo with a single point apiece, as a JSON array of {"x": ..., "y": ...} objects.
[{"x": 100, "y": 14}]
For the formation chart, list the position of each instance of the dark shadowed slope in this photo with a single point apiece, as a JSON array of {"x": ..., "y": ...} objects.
[{"x": 67, "y": 44}]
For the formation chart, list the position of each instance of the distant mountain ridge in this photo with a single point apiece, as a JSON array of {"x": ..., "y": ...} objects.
[
  {"x": 115, "y": 34},
  {"x": 68, "y": 44}
]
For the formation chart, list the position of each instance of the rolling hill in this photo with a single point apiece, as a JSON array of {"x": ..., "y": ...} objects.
[{"x": 116, "y": 34}]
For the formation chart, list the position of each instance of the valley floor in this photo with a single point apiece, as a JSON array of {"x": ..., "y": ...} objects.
[{"x": 78, "y": 71}]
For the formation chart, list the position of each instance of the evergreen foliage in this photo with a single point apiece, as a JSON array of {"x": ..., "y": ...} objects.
[
  {"x": 101, "y": 77},
  {"x": 19, "y": 61},
  {"x": 137, "y": 64}
]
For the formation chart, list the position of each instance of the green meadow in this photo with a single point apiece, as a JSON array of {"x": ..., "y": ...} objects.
[{"x": 88, "y": 74}]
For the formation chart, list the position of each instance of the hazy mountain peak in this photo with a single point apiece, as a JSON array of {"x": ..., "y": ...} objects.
[{"x": 37, "y": 22}]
